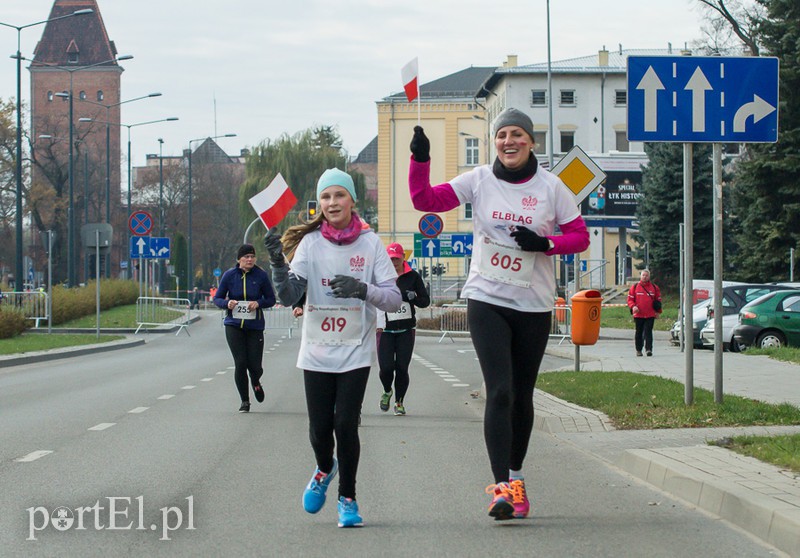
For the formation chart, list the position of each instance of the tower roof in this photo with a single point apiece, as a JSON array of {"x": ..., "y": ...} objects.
[{"x": 75, "y": 41}]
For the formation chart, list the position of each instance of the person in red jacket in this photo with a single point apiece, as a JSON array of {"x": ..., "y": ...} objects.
[{"x": 644, "y": 300}]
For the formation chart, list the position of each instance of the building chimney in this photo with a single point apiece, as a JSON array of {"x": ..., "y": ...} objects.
[
  {"x": 602, "y": 57},
  {"x": 511, "y": 61}
]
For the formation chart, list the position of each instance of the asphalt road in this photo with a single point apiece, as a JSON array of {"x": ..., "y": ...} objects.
[{"x": 154, "y": 431}]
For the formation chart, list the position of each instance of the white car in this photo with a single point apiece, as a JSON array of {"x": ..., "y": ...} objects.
[{"x": 699, "y": 317}]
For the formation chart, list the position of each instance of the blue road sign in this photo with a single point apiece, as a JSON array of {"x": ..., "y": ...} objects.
[
  {"x": 428, "y": 248},
  {"x": 150, "y": 247},
  {"x": 140, "y": 223},
  {"x": 431, "y": 225},
  {"x": 695, "y": 99},
  {"x": 461, "y": 244},
  {"x": 217, "y": 272}
]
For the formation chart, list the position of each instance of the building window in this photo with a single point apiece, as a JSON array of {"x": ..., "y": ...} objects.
[
  {"x": 567, "y": 141},
  {"x": 538, "y": 98},
  {"x": 622, "y": 141},
  {"x": 82, "y": 95},
  {"x": 539, "y": 139},
  {"x": 472, "y": 152},
  {"x": 99, "y": 95},
  {"x": 50, "y": 96},
  {"x": 468, "y": 211},
  {"x": 620, "y": 98},
  {"x": 568, "y": 98},
  {"x": 72, "y": 57}
]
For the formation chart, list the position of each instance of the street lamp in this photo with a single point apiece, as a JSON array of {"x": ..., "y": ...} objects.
[
  {"x": 190, "y": 269},
  {"x": 160, "y": 205},
  {"x": 129, "y": 126},
  {"x": 18, "y": 277},
  {"x": 70, "y": 210},
  {"x": 108, "y": 155}
]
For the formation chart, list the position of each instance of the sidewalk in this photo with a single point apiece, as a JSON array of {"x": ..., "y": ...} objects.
[{"x": 759, "y": 498}]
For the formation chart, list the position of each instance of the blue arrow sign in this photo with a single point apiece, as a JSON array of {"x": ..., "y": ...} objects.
[
  {"x": 150, "y": 247},
  {"x": 695, "y": 99},
  {"x": 461, "y": 244}
]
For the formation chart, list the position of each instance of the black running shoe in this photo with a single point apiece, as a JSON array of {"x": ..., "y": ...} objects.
[{"x": 245, "y": 408}]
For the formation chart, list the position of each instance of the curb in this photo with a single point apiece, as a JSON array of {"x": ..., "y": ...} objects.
[{"x": 66, "y": 352}]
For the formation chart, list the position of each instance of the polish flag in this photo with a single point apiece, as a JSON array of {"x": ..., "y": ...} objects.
[
  {"x": 410, "y": 74},
  {"x": 273, "y": 202}
]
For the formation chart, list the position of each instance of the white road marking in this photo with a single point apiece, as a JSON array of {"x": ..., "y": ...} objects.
[
  {"x": 166, "y": 396},
  {"x": 221, "y": 372},
  {"x": 459, "y": 385},
  {"x": 188, "y": 387},
  {"x": 207, "y": 380},
  {"x": 450, "y": 379},
  {"x": 231, "y": 368},
  {"x": 33, "y": 456},
  {"x": 138, "y": 410},
  {"x": 102, "y": 426}
]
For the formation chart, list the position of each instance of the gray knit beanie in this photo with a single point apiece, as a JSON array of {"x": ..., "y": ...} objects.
[{"x": 513, "y": 117}]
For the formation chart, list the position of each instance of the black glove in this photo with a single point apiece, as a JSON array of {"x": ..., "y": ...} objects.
[
  {"x": 344, "y": 286},
  {"x": 411, "y": 295},
  {"x": 272, "y": 242},
  {"x": 420, "y": 146},
  {"x": 529, "y": 240}
]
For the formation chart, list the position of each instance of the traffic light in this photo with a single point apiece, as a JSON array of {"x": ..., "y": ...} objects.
[{"x": 311, "y": 210}]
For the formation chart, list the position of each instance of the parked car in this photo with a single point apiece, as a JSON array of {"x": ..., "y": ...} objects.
[
  {"x": 772, "y": 320},
  {"x": 699, "y": 317},
  {"x": 733, "y": 300}
]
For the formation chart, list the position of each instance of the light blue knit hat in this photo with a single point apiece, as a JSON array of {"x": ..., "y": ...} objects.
[{"x": 335, "y": 177}]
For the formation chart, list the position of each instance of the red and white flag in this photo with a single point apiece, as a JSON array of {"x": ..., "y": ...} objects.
[
  {"x": 273, "y": 202},
  {"x": 410, "y": 74}
]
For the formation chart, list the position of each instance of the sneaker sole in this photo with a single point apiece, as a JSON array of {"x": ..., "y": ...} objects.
[
  {"x": 502, "y": 511},
  {"x": 349, "y": 525}
]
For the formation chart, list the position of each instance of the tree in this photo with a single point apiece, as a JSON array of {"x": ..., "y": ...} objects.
[
  {"x": 661, "y": 209},
  {"x": 300, "y": 159},
  {"x": 8, "y": 184},
  {"x": 767, "y": 184},
  {"x": 728, "y": 21}
]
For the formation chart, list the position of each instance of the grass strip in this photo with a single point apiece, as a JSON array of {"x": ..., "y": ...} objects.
[
  {"x": 30, "y": 342},
  {"x": 781, "y": 451},
  {"x": 640, "y": 402}
]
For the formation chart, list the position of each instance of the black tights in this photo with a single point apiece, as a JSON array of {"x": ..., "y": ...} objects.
[
  {"x": 394, "y": 357},
  {"x": 510, "y": 345},
  {"x": 334, "y": 405},
  {"x": 247, "y": 348}
]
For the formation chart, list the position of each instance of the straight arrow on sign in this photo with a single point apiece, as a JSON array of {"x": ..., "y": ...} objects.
[
  {"x": 651, "y": 85},
  {"x": 698, "y": 84}
]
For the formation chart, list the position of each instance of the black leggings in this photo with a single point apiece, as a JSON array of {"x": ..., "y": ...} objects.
[
  {"x": 334, "y": 405},
  {"x": 247, "y": 348},
  {"x": 644, "y": 333},
  {"x": 394, "y": 357},
  {"x": 510, "y": 345}
]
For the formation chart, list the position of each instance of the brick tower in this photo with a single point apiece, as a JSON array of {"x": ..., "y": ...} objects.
[{"x": 75, "y": 57}]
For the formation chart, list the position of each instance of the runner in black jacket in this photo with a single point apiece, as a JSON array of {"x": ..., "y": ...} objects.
[{"x": 396, "y": 342}]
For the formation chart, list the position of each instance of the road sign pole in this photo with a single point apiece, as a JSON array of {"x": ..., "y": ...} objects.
[
  {"x": 688, "y": 267},
  {"x": 717, "y": 206}
]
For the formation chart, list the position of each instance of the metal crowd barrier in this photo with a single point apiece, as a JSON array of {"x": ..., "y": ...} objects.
[
  {"x": 280, "y": 317},
  {"x": 33, "y": 304},
  {"x": 157, "y": 311},
  {"x": 453, "y": 320}
]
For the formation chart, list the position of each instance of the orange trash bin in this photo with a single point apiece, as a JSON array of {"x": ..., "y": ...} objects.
[{"x": 586, "y": 317}]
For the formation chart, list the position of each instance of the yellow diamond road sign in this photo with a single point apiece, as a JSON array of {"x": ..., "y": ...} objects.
[{"x": 579, "y": 173}]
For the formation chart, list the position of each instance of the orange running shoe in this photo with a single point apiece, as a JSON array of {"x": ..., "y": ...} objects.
[
  {"x": 521, "y": 504},
  {"x": 502, "y": 506}
]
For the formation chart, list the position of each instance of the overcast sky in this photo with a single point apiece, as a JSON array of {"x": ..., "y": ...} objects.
[{"x": 279, "y": 67}]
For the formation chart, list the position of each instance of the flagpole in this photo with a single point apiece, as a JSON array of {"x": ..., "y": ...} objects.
[{"x": 419, "y": 105}]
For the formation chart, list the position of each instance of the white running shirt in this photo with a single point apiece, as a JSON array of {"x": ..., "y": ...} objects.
[
  {"x": 332, "y": 346},
  {"x": 496, "y": 276}
]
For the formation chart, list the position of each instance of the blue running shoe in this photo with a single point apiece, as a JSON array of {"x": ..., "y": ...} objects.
[
  {"x": 314, "y": 494},
  {"x": 348, "y": 513}
]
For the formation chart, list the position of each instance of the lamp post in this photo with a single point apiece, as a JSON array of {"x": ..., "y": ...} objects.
[
  {"x": 18, "y": 277},
  {"x": 129, "y": 126},
  {"x": 71, "y": 210},
  {"x": 160, "y": 208},
  {"x": 190, "y": 268},
  {"x": 108, "y": 155}
]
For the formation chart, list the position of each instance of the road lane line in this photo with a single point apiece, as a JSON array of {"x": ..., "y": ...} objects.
[
  {"x": 102, "y": 426},
  {"x": 33, "y": 456},
  {"x": 138, "y": 410},
  {"x": 188, "y": 387},
  {"x": 166, "y": 396},
  {"x": 207, "y": 380},
  {"x": 459, "y": 385},
  {"x": 221, "y": 372},
  {"x": 451, "y": 379}
]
